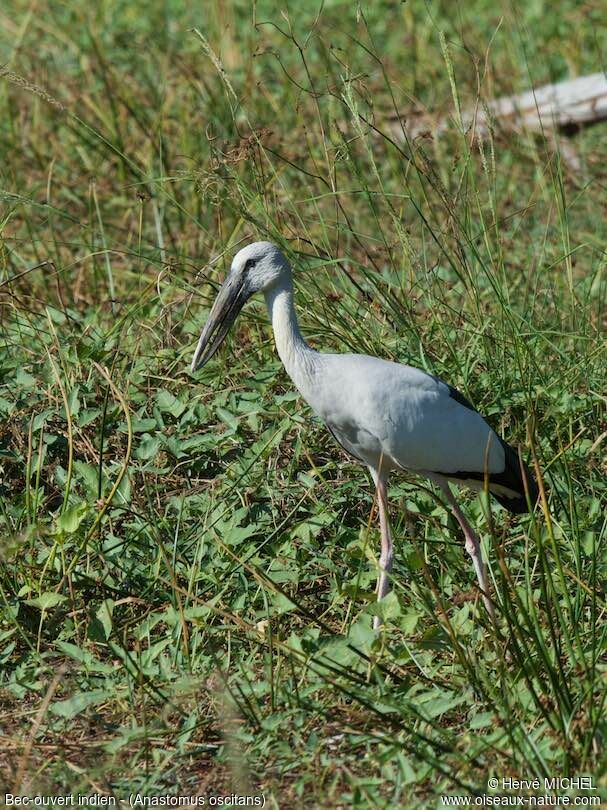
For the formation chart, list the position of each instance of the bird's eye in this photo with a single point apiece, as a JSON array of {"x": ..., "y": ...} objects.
[{"x": 248, "y": 265}]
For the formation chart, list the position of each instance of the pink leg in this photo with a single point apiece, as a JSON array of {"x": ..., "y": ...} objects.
[
  {"x": 473, "y": 546},
  {"x": 386, "y": 556}
]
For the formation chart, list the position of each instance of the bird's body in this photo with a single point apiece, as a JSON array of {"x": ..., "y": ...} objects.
[
  {"x": 390, "y": 415},
  {"x": 387, "y": 415},
  {"x": 400, "y": 417}
]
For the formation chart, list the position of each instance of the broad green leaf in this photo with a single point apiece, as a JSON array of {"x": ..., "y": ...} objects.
[
  {"x": 71, "y": 519},
  {"x": 123, "y": 493},
  {"x": 89, "y": 475},
  {"x": 25, "y": 380},
  {"x": 148, "y": 447},
  {"x": 237, "y": 534},
  {"x": 84, "y": 656},
  {"x": 73, "y": 400},
  {"x": 408, "y": 622},
  {"x": 482, "y": 720},
  {"x": 100, "y": 626},
  {"x": 6, "y": 406},
  {"x": 168, "y": 403},
  {"x": 79, "y": 702},
  {"x": 87, "y": 416},
  {"x": 282, "y": 604},
  {"x": 228, "y": 418},
  {"x": 143, "y": 425},
  {"x": 40, "y": 419},
  {"x": 362, "y": 634},
  {"x": 46, "y": 600}
]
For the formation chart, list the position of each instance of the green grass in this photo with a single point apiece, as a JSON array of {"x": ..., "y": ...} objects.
[{"x": 187, "y": 562}]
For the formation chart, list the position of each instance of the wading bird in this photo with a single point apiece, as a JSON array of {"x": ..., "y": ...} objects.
[{"x": 387, "y": 415}]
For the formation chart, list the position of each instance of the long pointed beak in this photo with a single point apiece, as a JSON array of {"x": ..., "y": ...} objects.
[{"x": 230, "y": 300}]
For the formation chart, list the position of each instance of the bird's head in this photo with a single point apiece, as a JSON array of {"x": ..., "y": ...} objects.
[{"x": 258, "y": 267}]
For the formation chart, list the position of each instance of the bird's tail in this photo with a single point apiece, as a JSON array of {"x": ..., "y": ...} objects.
[{"x": 516, "y": 474}]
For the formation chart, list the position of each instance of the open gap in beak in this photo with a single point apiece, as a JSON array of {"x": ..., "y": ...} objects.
[{"x": 231, "y": 298}]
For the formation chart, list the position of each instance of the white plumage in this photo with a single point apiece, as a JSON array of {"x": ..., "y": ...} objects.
[
  {"x": 387, "y": 415},
  {"x": 401, "y": 414}
]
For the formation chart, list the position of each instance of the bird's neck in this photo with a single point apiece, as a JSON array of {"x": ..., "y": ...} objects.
[{"x": 297, "y": 357}]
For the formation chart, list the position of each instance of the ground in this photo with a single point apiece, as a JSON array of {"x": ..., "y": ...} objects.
[{"x": 187, "y": 562}]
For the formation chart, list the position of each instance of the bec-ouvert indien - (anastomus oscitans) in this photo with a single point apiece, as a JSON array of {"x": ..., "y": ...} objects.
[{"x": 386, "y": 415}]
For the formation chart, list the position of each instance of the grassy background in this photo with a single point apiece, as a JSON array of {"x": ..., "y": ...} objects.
[{"x": 187, "y": 563}]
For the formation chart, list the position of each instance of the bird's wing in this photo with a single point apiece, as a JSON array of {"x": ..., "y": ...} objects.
[
  {"x": 437, "y": 430},
  {"x": 381, "y": 410},
  {"x": 377, "y": 407}
]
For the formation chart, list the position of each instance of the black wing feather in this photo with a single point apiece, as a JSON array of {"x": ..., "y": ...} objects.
[
  {"x": 459, "y": 397},
  {"x": 511, "y": 476}
]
